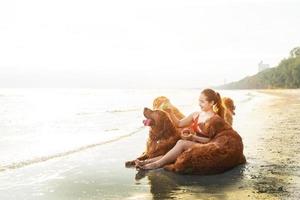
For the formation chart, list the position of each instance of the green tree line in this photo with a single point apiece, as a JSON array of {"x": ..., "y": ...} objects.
[{"x": 285, "y": 75}]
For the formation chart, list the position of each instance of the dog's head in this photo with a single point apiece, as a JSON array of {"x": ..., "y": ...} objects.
[
  {"x": 228, "y": 104},
  {"x": 160, "y": 123},
  {"x": 159, "y": 101}
]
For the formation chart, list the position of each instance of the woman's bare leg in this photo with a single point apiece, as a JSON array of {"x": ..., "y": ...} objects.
[
  {"x": 171, "y": 156},
  {"x": 140, "y": 163}
]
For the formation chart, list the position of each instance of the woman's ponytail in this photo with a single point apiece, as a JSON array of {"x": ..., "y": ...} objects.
[{"x": 218, "y": 107}]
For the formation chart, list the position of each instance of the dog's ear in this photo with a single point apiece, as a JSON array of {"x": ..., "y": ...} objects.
[
  {"x": 167, "y": 123},
  {"x": 167, "y": 127}
]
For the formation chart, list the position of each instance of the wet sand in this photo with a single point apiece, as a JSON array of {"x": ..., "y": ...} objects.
[
  {"x": 274, "y": 167},
  {"x": 270, "y": 131}
]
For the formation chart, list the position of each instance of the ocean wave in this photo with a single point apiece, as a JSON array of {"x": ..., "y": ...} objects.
[
  {"x": 24, "y": 163},
  {"x": 113, "y": 129},
  {"x": 125, "y": 110},
  {"x": 249, "y": 97},
  {"x": 86, "y": 113}
]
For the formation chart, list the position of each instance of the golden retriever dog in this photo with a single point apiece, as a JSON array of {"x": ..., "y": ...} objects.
[
  {"x": 162, "y": 102},
  {"x": 162, "y": 135},
  {"x": 229, "y": 109},
  {"x": 222, "y": 153}
]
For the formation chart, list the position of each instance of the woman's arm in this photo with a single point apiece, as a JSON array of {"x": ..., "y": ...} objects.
[
  {"x": 180, "y": 123},
  {"x": 195, "y": 138},
  {"x": 200, "y": 139}
]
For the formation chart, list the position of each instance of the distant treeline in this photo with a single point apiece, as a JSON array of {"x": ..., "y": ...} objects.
[{"x": 285, "y": 75}]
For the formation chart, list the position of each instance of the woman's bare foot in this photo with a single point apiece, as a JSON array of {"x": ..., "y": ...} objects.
[
  {"x": 153, "y": 165},
  {"x": 140, "y": 163}
]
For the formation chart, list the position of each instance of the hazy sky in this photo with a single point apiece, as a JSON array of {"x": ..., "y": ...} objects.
[{"x": 134, "y": 44}]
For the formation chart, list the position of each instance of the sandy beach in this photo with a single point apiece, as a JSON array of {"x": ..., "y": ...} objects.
[{"x": 269, "y": 128}]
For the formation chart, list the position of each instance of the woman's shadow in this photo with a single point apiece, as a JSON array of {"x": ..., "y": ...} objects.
[{"x": 167, "y": 185}]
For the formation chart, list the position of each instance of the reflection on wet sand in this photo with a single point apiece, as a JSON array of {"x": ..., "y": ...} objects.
[{"x": 168, "y": 185}]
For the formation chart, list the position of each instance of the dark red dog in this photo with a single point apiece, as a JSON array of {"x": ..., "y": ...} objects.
[
  {"x": 162, "y": 135},
  {"x": 223, "y": 152}
]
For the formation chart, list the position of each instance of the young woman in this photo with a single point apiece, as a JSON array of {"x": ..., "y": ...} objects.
[{"x": 210, "y": 103}]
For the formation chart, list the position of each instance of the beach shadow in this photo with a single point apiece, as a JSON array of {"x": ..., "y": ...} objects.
[{"x": 167, "y": 185}]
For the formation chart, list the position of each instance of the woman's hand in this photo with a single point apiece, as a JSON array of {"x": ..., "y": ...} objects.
[
  {"x": 186, "y": 134},
  {"x": 189, "y": 137}
]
